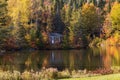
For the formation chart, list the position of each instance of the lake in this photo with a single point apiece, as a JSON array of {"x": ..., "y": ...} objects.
[{"x": 89, "y": 58}]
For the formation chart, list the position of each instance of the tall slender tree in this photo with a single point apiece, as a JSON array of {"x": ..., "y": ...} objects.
[
  {"x": 19, "y": 13},
  {"x": 4, "y": 29}
]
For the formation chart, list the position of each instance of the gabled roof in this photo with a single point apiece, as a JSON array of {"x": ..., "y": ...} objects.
[{"x": 55, "y": 34}]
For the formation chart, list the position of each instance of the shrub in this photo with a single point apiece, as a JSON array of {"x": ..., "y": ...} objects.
[{"x": 95, "y": 42}]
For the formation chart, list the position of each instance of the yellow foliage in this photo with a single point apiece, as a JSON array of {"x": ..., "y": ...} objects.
[
  {"x": 115, "y": 15},
  {"x": 113, "y": 40},
  {"x": 113, "y": 51},
  {"x": 27, "y": 37},
  {"x": 89, "y": 17},
  {"x": 75, "y": 16},
  {"x": 45, "y": 37},
  {"x": 88, "y": 8},
  {"x": 19, "y": 10}
]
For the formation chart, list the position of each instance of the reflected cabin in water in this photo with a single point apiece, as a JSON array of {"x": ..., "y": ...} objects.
[{"x": 55, "y": 38}]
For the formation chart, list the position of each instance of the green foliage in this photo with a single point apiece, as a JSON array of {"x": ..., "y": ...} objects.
[
  {"x": 4, "y": 30},
  {"x": 65, "y": 43},
  {"x": 90, "y": 22},
  {"x": 102, "y": 77},
  {"x": 19, "y": 14},
  {"x": 31, "y": 21},
  {"x": 4, "y": 35},
  {"x": 74, "y": 27},
  {"x": 89, "y": 19}
]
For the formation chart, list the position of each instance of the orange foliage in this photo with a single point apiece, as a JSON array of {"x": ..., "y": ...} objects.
[
  {"x": 45, "y": 62},
  {"x": 47, "y": 3},
  {"x": 113, "y": 40},
  {"x": 112, "y": 52}
]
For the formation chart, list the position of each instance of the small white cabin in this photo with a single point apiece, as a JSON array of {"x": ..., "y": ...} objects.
[{"x": 55, "y": 38}]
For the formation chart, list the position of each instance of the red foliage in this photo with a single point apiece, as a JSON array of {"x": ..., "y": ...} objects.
[
  {"x": 103, "y": 71},
  {"x": 33, "y": 44}
]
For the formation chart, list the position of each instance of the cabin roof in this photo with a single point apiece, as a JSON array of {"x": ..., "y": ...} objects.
[{"x": 55, "y": 34}]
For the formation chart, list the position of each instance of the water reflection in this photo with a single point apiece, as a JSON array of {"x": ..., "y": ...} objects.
[
  {"x": 111, "y": 56},
  {"x": 91, "y": 59}
]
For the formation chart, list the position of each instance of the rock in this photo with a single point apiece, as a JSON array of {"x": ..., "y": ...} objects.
[
  {"x": 85, "y": 71},
  {"x": 2, "y": 51}
]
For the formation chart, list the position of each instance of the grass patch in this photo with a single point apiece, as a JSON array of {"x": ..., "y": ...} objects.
[{"x": 102, "y": 77}]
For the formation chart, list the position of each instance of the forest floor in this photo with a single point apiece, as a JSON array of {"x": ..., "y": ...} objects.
[{"x": 102, "y": 77}]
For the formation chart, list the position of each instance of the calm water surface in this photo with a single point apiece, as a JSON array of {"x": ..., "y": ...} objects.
[{"x": 90, "y": 59}]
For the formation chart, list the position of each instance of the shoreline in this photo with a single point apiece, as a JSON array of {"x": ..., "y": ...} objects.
[
  {"x": 32, "y": 49},
  {"x": 53, "y": 73}
]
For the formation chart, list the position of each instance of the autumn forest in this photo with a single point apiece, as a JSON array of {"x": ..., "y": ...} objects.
[{"x": 59, "y": 24}]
